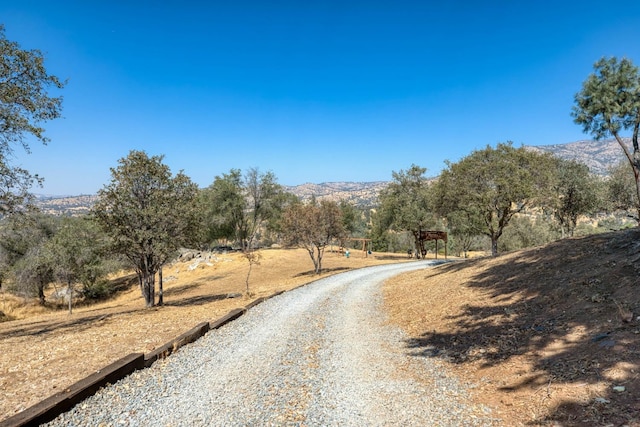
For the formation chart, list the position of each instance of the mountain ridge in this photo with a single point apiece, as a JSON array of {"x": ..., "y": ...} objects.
[{"x": 599, "y": 156}]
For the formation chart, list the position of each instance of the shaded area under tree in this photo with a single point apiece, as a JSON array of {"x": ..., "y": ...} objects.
[{"x": 571, "y": 307}]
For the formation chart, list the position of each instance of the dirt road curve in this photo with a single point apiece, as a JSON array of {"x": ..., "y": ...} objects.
[{"x": 319, "y": 355}]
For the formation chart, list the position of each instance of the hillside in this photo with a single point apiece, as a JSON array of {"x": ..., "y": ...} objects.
[
  {"x": 598, "y": 155},
  {"x": 362, "y": 194},
  {"x": 548, "y": 336},
  {"x": 545, "y": 336},
  {"x": 66, "y": 205},
  {"x": 359, "y": 193}
]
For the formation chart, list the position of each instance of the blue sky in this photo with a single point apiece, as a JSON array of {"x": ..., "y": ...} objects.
[{"x": 312, "y": 91}]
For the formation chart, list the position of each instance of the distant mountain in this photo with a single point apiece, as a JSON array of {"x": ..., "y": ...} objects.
[
  {"x": 66, "y": 205},
  {"x": 599, "y": 156},
  {"x": 361, "y": 194}
]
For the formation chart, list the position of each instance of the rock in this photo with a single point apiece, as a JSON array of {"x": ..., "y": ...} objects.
[
  {"x": 187, "y": 256},
  {"x": 619, "y": 388}
]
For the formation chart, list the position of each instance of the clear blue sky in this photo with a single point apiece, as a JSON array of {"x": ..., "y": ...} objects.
[{"x": 314, "y": 91}]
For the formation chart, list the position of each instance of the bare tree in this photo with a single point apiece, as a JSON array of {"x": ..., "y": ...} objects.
[{"x": 313, "y": 226}]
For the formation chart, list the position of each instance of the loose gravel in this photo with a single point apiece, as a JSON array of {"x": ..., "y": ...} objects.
[{"x": 321, "y": 355}]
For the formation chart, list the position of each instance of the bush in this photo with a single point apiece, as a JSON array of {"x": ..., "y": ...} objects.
[
  {"x": 98, "y": 290},
  {"x": 523, "y": 232}
]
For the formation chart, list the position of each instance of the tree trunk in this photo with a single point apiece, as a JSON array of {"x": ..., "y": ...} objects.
[
  {"x": 248, "y": 274},
  {"x": 41, "y": 294},
  {"x": 70, "y": 292},
  {"x": 141, "y": 282},
  {"x": 318, "y": 264},
  {"x": 149, "y": 290},
  {"x": 152, "y": 288},
  {"x": 494, "y": 245},
  {"x": 320, "y": 255},
  {"x": 636, "y": 174},
  {"x": 416, "y": 241},
  {"x": 160, "y": 292},
  {"x": 634, "y": 161},
  {"x": 312, "y": 253}
]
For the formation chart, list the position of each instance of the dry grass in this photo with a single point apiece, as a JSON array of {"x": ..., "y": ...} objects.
[
  {"x": 541, "y": 333},
  {"x": 49, "y": 350}
]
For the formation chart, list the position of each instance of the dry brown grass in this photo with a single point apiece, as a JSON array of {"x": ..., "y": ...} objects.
[
  {"x": 49, "y": 350},
  {"x": 541, "y": 333}
]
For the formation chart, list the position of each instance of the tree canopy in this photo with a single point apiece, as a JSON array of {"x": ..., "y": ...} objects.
[
  {"x": 25, "y": 104},
  {"x": 608, "y": 104},
  {"x": 488, "y": 187},
  {"x": 577, "y": 193},
  {"x": 405, "y": 204},
  {"x": 148, "y": 213},
  {"x": 237, "y": 207},
  {"x": 621, "y": 188},
  {"x": 24, "y": 254}
]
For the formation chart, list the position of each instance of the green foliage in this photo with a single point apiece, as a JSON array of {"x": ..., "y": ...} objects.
[
  {"x": 380, "y": 235},
  {"x": 27, "y": 267},
  {"x": 238, "y": 207},
  {"x": 25, "y": 105},
  {"x": 37, "y": 249},
  {"x": 577, "y": 193},
  {"x": 148, "y": 214},
  {"x": 405, "y": 205},
  {"x": 525, "y": 232},
  {"x": 483, "y": 191},
  {"x": 620, "y": 188},
  {"x": 354, "y": 219},
  {"x": 461, "y": 245},
  {"x": 224, "y": 206},
  {"x": 79, "y": 253},
  {"x": 463, "y": 231},
  {"x": 98, "y": 290},
  {"x": 613, "y": 223},
  {"x": 609, "y": 100},
  {"x": 609, "y": 103}
]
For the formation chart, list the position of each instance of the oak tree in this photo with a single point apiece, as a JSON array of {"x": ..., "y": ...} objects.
[
  {"x": 148, "y": 213},
  {"x": 24, "y": 256},
  {"x": 78, "y": 251},
  {"x": 620, "y": 188},
  {"x": 609, "y": 104},
  {"x": 238, "y": 206},
  {"x": 490, "y": 186},
  {"x": 405, "y": 204},
  {"x": 577, "y": 193},
  {"x": 25, "y": 104}
]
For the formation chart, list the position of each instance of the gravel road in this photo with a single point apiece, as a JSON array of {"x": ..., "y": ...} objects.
[{"x": 320, "y": 355}]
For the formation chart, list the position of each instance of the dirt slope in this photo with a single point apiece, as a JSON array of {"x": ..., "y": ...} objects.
[{"x": 550, "y": 336}]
